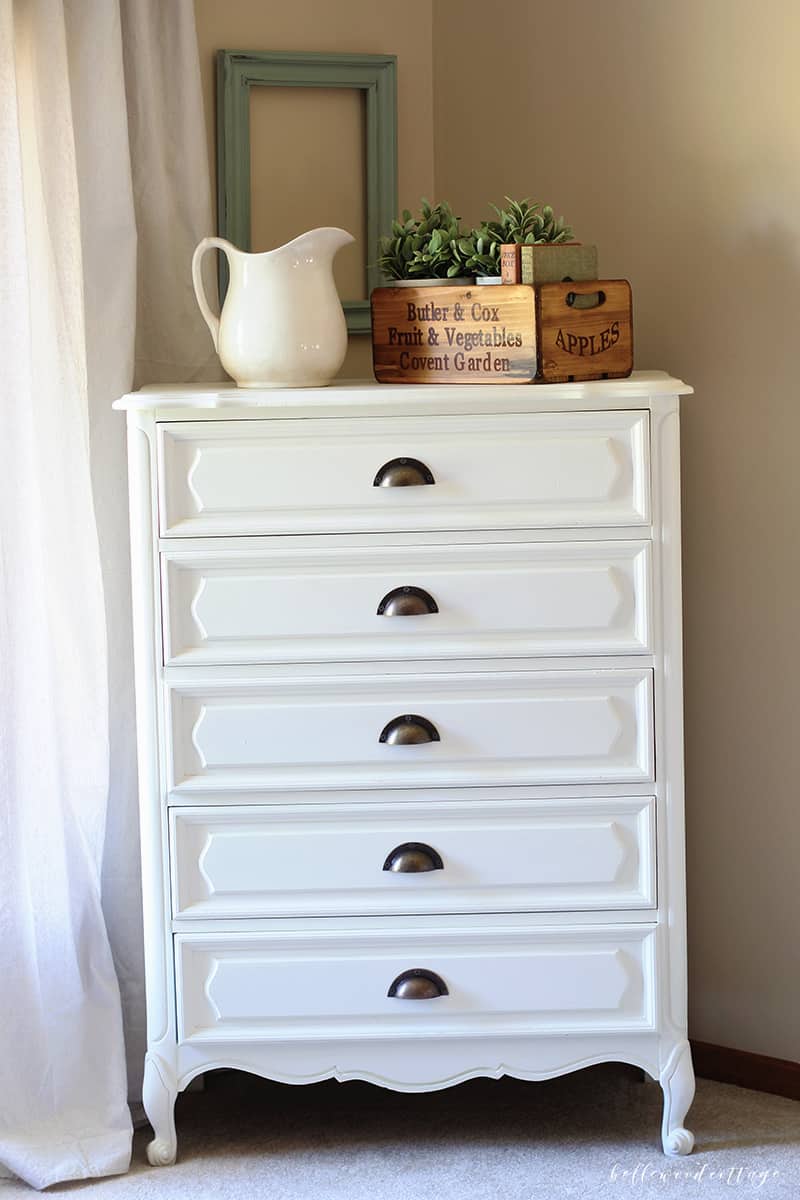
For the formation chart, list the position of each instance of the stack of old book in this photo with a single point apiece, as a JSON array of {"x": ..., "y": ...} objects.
[{"x": 548, "y": 263}]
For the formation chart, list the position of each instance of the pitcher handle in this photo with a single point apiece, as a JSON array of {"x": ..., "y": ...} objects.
[{"x": 211, "y": 320}]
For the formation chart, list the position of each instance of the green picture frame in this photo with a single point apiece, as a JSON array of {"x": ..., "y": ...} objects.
[{"x": 374, "y": 74}]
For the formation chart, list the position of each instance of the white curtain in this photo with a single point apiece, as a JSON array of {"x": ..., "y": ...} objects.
[
  {"x": 143, "y": 165},
  {"x": 103, "y": 179}
]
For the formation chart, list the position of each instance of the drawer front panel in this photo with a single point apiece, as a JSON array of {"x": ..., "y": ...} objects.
[
  {"x": 504, "y": 980},
  {"x": 519, "y": 727},
  {"x": 490, "y": 856},
  {"x": 273, "y": 605},
  {"x": 317, "y": 476}
]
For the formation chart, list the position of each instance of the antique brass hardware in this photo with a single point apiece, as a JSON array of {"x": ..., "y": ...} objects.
[
  {"x": 412, "y": 857},
  {"x": 409, "y": 730},
  {"x": 418, "y": 984},
  {"x": 403, "y": 472},
  {"x": 407, "y": 602}
]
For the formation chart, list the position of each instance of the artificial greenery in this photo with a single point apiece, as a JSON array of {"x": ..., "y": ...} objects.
[
  {"x": 528, "y": 224},
  {"x": 523, "y": 222},
  {"x": 480, "y": 251},
  {"x": 433, "y": 246},
  {"x": 422, "y": 248}
]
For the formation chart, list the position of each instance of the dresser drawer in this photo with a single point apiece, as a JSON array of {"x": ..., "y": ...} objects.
[
  {"x": 309, "y": 476},
  {"x": 268, "y": 604},
  {"x": 499, "y": 979},
  {"x": 495, "y": 856},
  {"x": 519, "y": 727}
]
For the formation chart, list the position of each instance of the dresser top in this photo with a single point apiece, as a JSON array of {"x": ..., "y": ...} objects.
[{"x": 348, "y": 398}]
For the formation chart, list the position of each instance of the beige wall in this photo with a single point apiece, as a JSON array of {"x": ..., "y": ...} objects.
[
  {"x": 669, "y": 133},
  {"x": 346, "y": 26}
]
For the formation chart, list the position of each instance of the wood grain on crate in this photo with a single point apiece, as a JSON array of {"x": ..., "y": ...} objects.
[
  {"x": 453, "y": 335},
  {"x": 585, "y": 330}
]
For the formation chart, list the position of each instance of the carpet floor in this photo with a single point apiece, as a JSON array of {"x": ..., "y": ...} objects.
[{"x": 243, "y": 1138}]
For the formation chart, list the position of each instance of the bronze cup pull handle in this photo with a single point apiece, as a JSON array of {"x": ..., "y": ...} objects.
[
  {"x": 407, "y": 602},
  {"x": 418, "y": 984},
  {"x": 409, "y": 730},
  {"x": 412, "y": 857},
  {"x": 403, "y": 472}
]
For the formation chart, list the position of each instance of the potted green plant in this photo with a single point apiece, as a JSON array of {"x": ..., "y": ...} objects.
[
  {"x": 523, "y": 222},
  {"x": 423, "y": 250}
]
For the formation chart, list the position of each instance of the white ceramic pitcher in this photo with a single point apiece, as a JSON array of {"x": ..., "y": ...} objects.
[{"x": 282, "y": 323}]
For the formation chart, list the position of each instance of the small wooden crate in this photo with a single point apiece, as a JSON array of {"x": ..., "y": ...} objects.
[
  {"x": 584, "y": 330},
  {"x": 454, "y": 334},
  {"x": 514, "y": 333}
]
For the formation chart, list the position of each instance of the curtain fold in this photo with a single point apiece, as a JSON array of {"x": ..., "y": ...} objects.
[
  {"x": 172, "y": 190},
  {"x": 63, "y": 1111},
  {"x": 159, "y": 148},
  {"x": 101, "y": 203}
]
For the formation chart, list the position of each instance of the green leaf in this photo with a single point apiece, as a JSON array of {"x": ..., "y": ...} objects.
[{"x": 428, "y": 246}]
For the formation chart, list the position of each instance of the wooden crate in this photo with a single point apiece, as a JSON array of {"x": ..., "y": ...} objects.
[
  {"x": 584, "y": 330},
  {"x": 454, "y": 334},
  {"x": 513, "y": 333}
]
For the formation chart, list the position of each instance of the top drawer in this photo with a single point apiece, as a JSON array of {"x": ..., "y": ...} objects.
[{"x": 321, "y": 475}]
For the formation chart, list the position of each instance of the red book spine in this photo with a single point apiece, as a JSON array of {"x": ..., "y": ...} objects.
[{"x": 510, "y": 263}]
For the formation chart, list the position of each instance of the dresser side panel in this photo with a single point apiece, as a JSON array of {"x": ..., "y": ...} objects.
[
  {"x": 158, "y": 954},
  {"x": 668, "y": 682}
]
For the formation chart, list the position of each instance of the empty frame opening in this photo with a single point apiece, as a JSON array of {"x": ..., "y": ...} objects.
[{"x": 308, "y": 168}]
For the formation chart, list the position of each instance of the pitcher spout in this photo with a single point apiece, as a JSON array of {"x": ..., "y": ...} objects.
[{"x": 318, "y": 244}]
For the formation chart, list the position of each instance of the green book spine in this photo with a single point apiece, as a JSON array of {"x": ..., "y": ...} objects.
[{"x": 555, "y": 264}]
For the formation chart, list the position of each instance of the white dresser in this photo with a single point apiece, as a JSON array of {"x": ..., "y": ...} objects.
[{"x": 408, "y": 675}]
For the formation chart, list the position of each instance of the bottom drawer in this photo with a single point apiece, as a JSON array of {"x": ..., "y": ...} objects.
[{"x": 480, "y": 977}]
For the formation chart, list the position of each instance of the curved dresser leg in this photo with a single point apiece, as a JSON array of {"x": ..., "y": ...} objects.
[
  {"x": 159, "y": 1094},
  {"x": 677, "y": 1083}
]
